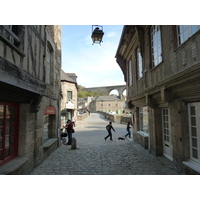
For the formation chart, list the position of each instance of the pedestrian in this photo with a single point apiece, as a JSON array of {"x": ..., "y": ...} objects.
[
  {"x": 69, "y": 127},
  {"x": 128, "y": 129},
  {"x": 109, "y": 127}
]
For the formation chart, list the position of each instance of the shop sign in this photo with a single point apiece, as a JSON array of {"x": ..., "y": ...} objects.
[
  {"x": 69, "y": 105},
  {"x": 50, "y": 110}
]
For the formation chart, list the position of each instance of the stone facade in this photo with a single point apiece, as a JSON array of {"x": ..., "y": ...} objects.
[
  {"x": 30, "y": 62},
  {"x": 83, "y": 104},
  {"x": 161, "y": 66},
  {"x": 107, "y": 104},
  {"x": 69, "y": 90}
]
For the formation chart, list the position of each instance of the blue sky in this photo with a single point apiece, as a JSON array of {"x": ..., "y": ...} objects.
[{"x": 94, "y": 65}]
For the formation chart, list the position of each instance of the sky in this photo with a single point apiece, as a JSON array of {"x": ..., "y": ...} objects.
[{"x": 95, "y": 65}]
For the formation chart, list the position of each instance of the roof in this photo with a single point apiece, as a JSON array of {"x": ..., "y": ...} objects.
[
  {"x": 65, "y": 77},
  {"x": 107, "y": 98}
]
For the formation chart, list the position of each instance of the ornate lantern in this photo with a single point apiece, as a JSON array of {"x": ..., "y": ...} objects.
[{"x": 97, "y": 34}]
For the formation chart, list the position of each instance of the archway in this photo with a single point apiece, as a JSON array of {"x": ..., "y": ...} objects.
[{"x": 114, "y": 92}]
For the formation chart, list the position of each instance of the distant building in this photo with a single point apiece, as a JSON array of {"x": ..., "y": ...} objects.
[
  {"x": 108, "y": 104},
  {"x": 161, "y": 66},
  {"x": 83, "y": 104},
  {"x": 30, "y": 62},
  {"x": 69, "y": 90}
]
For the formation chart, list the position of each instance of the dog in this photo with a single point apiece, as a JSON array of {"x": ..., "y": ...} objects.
[{"x": 121, "y": 138}]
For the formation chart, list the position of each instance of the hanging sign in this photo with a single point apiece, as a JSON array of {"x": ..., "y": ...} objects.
[
  {"x": 50, "y": 110},
  {"x": 69, "y": 105}
]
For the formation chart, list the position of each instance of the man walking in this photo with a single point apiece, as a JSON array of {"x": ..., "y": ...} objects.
[{"x": 109, "y": 127}]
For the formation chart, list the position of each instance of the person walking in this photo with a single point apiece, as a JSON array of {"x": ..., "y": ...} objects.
[
  {"x": 128, "y": 129},
  {"x": 109, "y": 127},
  {"x": 69, "y": 128}
]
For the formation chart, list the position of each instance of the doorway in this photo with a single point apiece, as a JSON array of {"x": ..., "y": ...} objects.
[{"x": 166, "y": 132}]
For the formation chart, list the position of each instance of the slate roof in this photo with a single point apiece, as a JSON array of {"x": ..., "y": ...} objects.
[
  {"x": 64, "y": 77},
  {"x": 107, "y": 98}
]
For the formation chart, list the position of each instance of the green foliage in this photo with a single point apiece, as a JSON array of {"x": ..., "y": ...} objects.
[{"x": 83, "y": 93}]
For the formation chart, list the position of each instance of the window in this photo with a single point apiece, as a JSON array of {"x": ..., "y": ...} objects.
[
  {"x": 10, "y": 32},
  {"x": 194, "y": 131},
  {"x": 139, "y": 65},
  {"x": 130, "y": 73},
  {"x": 48, "y": 71},
  {"x": 156, "y": 45},
  {"x": 69, "y": 95},
  {"x": 186, "y": 31},
  {"x": 143, "y": 119},
  {"x": 9, "y": 124}
]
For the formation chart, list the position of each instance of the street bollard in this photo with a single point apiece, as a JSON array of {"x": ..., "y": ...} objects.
[{"x": 73, "y": 145}]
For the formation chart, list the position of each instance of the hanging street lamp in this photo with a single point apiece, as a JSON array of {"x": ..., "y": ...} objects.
[{"x": 97, "y": 34}]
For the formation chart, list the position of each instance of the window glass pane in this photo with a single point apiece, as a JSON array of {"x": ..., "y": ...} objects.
[
  {"x": 156, "y": 45},
  {"x": 193, "y": 121},
  {"x": 13, "y": 110},
  {"x": 144, "y": 125},
  {"x": 139, "y": 64},
  {"x": 12, "y": 140},
  {"x": 194, "y": 142},
  {"x": 7, "y": 153},
  {"x": 7, "y": 120},
  {"x": 69, "y": 95},
  {"x": 8, "y": 130},
  {"x": 195, "y": 153},
  {"x": 186, "y": 31},
  {"x": 7, "y": 142},
  {"x": 13, "y": 119},
  {"x": 167, "y": 138},
  {"x": 192, "y": 110},
  {"x": 194, "y": 132}
]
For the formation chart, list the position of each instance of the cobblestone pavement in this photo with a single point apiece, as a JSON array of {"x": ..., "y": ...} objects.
[{"x": 95, "y": 156}]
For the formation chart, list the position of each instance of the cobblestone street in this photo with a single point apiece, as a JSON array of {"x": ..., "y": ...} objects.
[{"x": 95, "y": 156}]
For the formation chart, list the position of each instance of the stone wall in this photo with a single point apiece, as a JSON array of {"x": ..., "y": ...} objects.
[{"x": 116, "y": 118}]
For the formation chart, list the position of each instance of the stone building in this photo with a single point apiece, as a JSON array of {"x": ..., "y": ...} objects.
[
  {"x": 69, "y": 90},
  {"x": 110, "y": 104},
  {"x": 161, "y": 66},
  {"x": 83, "y": 104},
  {"x": 30, "y": 62}
]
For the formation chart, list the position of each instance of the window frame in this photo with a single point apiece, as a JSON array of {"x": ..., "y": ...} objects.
[
  {"x": 193, "y": 124},
  {"x": 182, "y": 29},
  {"x": 155, "y": 30},
  {"x": 143, "y": 111},
  {"x": 130, "y": 73},
  {"x": 4, "y": 136},
  {"x": 69, "y": 92},
  {"x": 139, "y": 64}
]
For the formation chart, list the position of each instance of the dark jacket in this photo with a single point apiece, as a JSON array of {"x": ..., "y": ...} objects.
[
  {"x": 109, "y": 127},
  {"x": 69, "y": 128}
]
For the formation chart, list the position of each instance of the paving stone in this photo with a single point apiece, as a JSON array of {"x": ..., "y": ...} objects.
[{"x": 95, "y": 156}]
